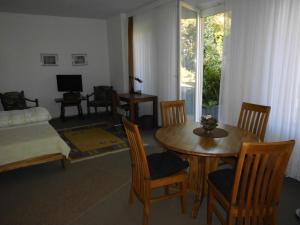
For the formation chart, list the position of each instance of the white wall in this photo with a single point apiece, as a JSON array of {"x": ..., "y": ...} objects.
[
  {"x": 117, "y": 30},
  {"x": 24, "y": 37}
]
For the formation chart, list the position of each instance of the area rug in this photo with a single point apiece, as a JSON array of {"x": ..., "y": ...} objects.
[{"x": 94, "y": 140}]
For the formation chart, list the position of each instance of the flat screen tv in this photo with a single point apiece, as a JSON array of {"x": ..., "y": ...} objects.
[{"x": 69, "y": 83}]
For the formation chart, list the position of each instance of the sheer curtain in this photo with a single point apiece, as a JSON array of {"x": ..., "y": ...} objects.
[
  {"x": 155, "y": 52},
  {"x": 261, "y": 64}
]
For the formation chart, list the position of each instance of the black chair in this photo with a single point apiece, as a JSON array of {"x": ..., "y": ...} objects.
[
  {"x": 103, "y": 97},
  {"x": 71, "y": 99},
  {"x": 117, "y": 104},
  {"x": 16, "y": 100}
]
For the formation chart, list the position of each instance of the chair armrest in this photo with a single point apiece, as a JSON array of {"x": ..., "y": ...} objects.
[
  {"x": 89, "y": 95},
  {"x": 36, "y": 101}
]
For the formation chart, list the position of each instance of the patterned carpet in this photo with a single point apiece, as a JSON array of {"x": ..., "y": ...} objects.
[{"x": 94, "y": 140}]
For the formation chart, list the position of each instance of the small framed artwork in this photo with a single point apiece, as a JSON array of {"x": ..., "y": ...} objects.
[
  {"x": 49, "y": 59},
  {"x": 79, "y": 59}
]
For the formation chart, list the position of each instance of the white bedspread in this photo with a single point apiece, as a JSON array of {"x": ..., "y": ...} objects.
[{"x": 28, "y": 141}]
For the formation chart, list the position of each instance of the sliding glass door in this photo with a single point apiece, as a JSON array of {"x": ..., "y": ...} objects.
[{"x": 189, "y": 42}]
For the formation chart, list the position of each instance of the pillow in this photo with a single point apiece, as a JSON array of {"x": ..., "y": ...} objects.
[
  {"x": 165, "y": 164},
  {"x": 25, "y": 116}
]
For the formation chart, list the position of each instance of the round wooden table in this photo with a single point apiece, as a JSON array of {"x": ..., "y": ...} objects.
[{"x": 203, "y": 153}]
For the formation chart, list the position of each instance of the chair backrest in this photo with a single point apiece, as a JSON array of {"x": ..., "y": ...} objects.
[
  {"x": 116, "y": 98},
  {"x": 13, "y": 100},
  {"x": 71, "y": 98},
  {"x": 140, "y": 169},
  {"x": 259, "y": 178},
  {"x": 254, "y": 118},
  {"x": 103, "y": 93},
  {"x": 172, "y": 112}
]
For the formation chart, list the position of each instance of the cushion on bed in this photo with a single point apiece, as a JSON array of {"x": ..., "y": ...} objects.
[{"x": 25, "y": 116}]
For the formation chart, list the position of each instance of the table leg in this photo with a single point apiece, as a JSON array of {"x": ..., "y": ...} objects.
[
  {"x": 136, "y": 112},
  {"x": 131, "y": 111},
  {"x": 155, "y": 118},
  {"x": 199, "y": 169},
  {"x": 199, "y": 195}
]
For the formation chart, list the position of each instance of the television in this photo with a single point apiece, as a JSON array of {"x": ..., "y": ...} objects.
[{"x": 69, "y": 83}]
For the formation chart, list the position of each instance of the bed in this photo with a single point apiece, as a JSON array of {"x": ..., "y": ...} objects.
[{"x": 26, "y": 138}]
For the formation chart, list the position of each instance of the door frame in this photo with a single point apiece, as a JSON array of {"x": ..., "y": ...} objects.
[{"x": 199, "y": 58}]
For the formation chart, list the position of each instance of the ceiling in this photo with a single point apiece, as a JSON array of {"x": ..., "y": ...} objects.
[{"x": 99, "y": 9}]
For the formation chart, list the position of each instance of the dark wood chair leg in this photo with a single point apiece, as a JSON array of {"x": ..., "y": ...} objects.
[
  {"x": 88, "y": 108},
  {"x": 146, "y": 213},
  {"x": 62, "y": 112},
  {"x": 210, "y": 206},
  {"x": 63, "y": 163},
  {"x": 80, "y": 111},
  {"x": 183, "y": 199}
]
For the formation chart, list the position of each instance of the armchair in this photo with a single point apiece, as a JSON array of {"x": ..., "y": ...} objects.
[
  {"x": 71, "y": 99},
  {"x": 103, "y": 97},
  {"x": 16, "y": 100},
  {"x": 118, "y": 105}
]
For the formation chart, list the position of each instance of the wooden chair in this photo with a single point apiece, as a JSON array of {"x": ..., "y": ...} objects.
[
  {"x": 254, "y": 118},
  {"x": 16, "y": 100},
  {"x": 143, "y": 180},
  {"x": 118, "y": 105},
  {"x": 71, "y": 99},
  {"x": 103, "y": 97},
  {"x": 250, "y": 194},
  {"x": 172, "y": 112}
]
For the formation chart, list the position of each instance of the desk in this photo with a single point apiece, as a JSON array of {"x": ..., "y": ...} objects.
[
  {"x": 133, "y": 99},
  {"x": 203, "y": 153}
]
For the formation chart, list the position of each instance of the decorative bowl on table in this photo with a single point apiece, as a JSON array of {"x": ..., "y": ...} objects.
[
  {"x": 209, "y": 128},
  {"x": 208, "y": 123}
]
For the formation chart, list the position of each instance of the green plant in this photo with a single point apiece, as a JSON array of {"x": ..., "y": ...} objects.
[{"x": 213, "y": 50}]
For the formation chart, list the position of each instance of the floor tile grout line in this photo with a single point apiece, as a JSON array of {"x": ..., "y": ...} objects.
[{"x": 100, "y": 201}]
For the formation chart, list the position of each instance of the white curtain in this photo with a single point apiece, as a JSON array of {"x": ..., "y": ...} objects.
[
  {"x": 155, "y": 52},
  {"x": 261, "y": 64}
]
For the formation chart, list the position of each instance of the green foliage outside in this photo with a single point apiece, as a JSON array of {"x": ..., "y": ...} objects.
[
  {"x": 188, "y": 51},
  {"x": 213, "y": 51}
]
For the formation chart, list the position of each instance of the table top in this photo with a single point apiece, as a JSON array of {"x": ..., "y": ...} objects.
[
  {"x": 180, "y": 138},
  {"x": 136, "y": 96}
]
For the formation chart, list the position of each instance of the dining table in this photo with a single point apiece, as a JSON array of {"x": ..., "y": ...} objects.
[{"x": 202, "y": 152}]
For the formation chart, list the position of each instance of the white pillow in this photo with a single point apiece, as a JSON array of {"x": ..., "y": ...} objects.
[{"x": 25, "y": 116}]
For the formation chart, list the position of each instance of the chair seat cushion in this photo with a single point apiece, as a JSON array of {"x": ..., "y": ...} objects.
[
  {"x": 223, "y": 181},
  {"x": 165, "y": 164}
]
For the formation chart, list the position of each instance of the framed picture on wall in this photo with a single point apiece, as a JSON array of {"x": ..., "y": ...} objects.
[
  {"x": 49, "y": 59},
  {"x": 79, "y": 59}
]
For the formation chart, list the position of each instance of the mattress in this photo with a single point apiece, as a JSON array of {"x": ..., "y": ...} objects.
[{"x": 29, "y": 141}]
